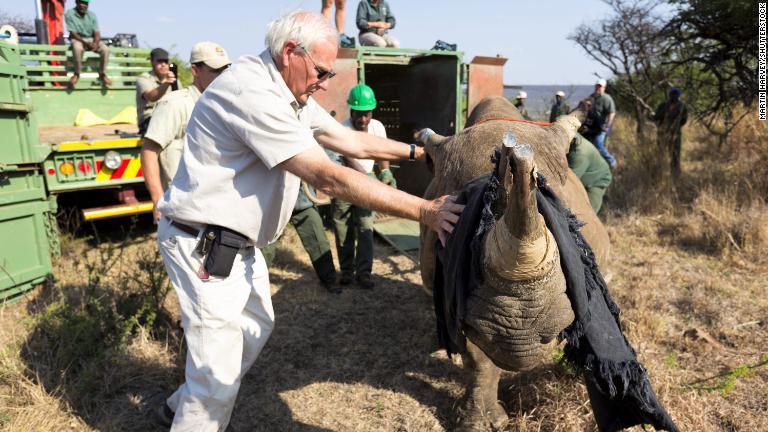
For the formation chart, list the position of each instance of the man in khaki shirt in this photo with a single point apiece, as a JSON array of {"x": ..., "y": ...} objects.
[
  {"x": 163, "y": 141},
  {"x": 153, "y": 85}
]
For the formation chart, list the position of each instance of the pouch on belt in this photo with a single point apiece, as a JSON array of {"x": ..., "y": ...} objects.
[{"x": 220, "y": 246}]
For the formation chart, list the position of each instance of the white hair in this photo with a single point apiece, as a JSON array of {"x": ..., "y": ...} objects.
[{"x": 304, "y": 27}]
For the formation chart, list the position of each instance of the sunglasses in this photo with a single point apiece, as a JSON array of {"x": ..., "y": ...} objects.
[{"x": 322, "y": 74}]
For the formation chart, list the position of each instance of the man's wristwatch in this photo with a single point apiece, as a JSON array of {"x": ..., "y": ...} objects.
[{"x": 412, "y": 156}]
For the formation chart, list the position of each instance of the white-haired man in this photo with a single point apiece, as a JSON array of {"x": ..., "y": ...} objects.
[{"x": 253, "y": 135}]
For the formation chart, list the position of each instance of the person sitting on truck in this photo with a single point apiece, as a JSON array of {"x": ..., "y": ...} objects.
[
  {"x": 84, "y": 35},
  {"x": 164, "y": 139},
  {"x": 375, "y": 19},
  {"x": 325, "y": 10},
  {"x": 153, "y": 85},
  {"x": 354, "y": 224}
]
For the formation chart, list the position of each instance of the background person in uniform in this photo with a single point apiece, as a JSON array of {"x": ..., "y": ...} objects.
[
  {"x": 251, "y": 139},
  {"x": 602, "y": 115},
  {"x": 353, "y": 225},
  {"x": 339, "y": 16},
  {"x": 308, "y": 223},
  {"x": 670, "y": 117},
  {"x": 84, "y": 35},
  {"x": 375, "y": 20},
  {"x": 164, "y": 139},
  {"x": 153, "y": 85},
  {"x": 590, "y": 167},
  {"x": 560, "y": 107},
  {"x": 520, "y": 104}
]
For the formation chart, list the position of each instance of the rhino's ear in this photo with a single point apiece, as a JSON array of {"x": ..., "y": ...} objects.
[
  {"x": 434, "y": 145},
  {"x": 566, "y": 126}
]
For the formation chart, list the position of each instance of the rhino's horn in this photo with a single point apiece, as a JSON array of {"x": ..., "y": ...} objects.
[{"x": 520, "y": 247}]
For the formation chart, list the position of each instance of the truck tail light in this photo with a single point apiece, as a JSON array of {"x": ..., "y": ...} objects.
[
  {"x": 67, "y": 168},
  {"x": 84, "y": 167}
]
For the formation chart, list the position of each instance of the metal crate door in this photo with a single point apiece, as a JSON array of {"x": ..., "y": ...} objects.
[{"x": 486, "y": 78}]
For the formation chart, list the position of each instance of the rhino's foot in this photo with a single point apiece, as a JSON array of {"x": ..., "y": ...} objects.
[
  {"x": 479, "y": 409},
  {"x": 480, "y": 416}
]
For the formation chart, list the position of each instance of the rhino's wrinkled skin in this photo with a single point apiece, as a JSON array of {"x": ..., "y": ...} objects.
[{"x": 514, "y": 317}]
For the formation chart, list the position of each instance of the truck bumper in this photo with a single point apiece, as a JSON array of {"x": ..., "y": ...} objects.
[{"x": 117, "y": 210}]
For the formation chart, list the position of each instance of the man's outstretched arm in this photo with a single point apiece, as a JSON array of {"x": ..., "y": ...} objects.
[
  {"x": 362, "y": 145},
  {"x": 314, "y": 167}
]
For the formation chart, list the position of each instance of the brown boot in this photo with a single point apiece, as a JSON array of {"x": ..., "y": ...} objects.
[{"x": 105, "y": 80}]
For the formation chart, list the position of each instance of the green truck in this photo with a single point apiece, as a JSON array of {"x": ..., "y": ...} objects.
[{"x": 46, "y": 162}]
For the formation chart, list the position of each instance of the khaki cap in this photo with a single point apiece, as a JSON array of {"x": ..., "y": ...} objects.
[
  {"x": 601, "y": 82},
  {"x": 209, "y": 53},
  {"x": 522, "y": 95},
  {"x": 560, "y": 93}
]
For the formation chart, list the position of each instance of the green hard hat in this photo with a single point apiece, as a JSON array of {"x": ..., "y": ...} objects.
[{"x": 361, "y": 98}]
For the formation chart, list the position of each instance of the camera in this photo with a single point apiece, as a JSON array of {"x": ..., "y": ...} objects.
[{"x": 175, "y": 69}]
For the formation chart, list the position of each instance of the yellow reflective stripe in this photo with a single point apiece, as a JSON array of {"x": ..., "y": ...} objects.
[
  {"x": 104, "y": 173},
  {"x": 99, "y": 145},
  {"x": 116, "y": 211},
  {"x": 132, "y": 169}
]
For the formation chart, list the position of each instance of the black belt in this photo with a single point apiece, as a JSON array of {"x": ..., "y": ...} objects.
[
  {"x": 186, "y": 228},
  {"x": 192, "y": 230}
]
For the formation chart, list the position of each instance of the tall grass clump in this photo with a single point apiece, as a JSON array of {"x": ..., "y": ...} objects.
[
  {"x": 81, "y": 329},
  {"x": 718, "y": 203}
]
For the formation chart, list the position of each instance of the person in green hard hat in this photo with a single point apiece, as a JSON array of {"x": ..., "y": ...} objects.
[
  {"x": 84, "y": 35},
  {"x": 353, "y": 224}
]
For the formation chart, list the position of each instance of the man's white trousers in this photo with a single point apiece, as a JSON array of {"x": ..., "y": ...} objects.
[{"x": 226, "y": 323}]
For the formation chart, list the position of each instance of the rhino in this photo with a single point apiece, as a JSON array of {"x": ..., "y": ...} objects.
[{"x": 514, "y": 317}]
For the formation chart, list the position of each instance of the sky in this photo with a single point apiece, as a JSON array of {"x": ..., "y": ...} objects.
[{"x": 531, "y": 34}]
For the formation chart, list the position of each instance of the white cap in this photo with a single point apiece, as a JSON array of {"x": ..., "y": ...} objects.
[
  {"x": 209, "y": 53},
  {"x": 560, "y": 93},
  {"x": 601, "y": 82},
  {"x": 522, "y": 95}
]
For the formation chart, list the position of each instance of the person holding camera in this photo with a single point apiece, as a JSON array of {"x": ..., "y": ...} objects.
[
  {"x": 84, "y": 35},
  {"x": 163, "y": 141},
  {"x": 153, "y": 85}
]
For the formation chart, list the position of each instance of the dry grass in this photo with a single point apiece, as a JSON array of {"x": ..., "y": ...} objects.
[{"x": 688, "y": 275}]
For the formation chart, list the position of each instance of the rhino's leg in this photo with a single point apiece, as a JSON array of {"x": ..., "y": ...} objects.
[{"x": 480, "y": 409}]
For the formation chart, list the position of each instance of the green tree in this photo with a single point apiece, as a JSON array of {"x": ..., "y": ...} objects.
[{"x": 713, "y": 53}]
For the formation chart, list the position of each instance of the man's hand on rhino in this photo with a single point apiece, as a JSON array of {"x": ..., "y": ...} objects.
[
  {"x": 440, "y": 215},
  {"x": 386, "y": 177}
]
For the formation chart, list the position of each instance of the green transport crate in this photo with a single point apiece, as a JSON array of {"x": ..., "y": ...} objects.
[
  {"x": 28, "y": 233},
  {"x": 12, "y": 75},
  {"x": 19, "y": 140},
  {"x": 19, "y": 184}
]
